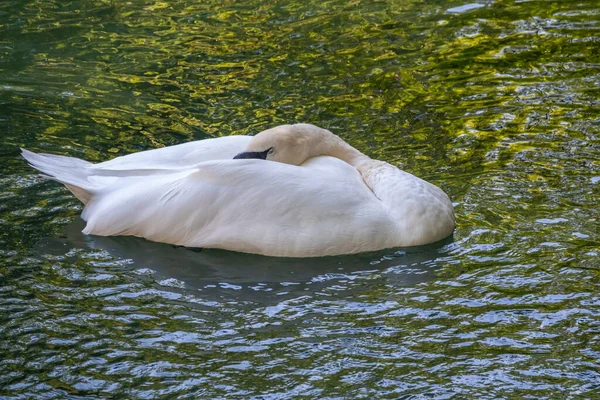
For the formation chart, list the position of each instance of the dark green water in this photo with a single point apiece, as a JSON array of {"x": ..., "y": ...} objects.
[{"x": 498, "y": 104}]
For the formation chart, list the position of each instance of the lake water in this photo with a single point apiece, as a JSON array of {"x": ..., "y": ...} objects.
[{"x": 497, "y": 102}]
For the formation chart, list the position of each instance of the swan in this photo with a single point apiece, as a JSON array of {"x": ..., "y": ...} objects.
[{"x": 289, "y": 191}]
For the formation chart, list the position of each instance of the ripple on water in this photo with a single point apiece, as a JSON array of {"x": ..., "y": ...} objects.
[{"x": 496, "y": 102}]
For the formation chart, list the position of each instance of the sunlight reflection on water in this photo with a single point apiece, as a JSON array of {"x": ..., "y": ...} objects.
[{"x": 496, "y": 102}]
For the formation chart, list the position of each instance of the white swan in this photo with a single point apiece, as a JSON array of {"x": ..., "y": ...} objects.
[{"x": 292, "y": 191}]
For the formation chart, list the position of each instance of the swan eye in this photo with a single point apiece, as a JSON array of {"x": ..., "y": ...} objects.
[{"x": 271, "y": 150}]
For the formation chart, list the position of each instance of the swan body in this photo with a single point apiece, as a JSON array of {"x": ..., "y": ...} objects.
[
  {"x": 180, "y": 156},
  {"x": 292, "y": 191}
]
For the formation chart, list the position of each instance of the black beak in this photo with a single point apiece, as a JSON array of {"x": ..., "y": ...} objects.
[{"x": 261, "y": 155}]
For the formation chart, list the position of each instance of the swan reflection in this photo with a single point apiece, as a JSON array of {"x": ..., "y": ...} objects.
[{"x": 220, "y": 271}]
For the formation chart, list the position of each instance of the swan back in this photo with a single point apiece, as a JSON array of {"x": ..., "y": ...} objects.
[{"x": 320, "y": 208}]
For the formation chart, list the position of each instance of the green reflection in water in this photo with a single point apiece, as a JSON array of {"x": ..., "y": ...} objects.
[{"x": 497, "y": 104}]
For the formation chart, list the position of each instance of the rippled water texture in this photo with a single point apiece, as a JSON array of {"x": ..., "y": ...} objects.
[{"x": 497, "y": 102}]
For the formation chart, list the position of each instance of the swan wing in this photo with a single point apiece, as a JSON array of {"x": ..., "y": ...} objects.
[
  {"x": 83, "y": 178},
  {"x": 178, "y": 156},
  {"x": 320, "y": 208}
]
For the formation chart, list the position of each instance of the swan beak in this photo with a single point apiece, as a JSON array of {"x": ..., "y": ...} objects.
[{"x": 261, "y": 155}]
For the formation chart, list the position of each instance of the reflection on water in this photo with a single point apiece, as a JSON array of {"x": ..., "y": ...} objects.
[
  {"x": 254, "y": 277},
  {"x": 494, "y": 101}
]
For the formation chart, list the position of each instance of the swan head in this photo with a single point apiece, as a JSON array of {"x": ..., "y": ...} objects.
[{"x": 289, "y": 144}]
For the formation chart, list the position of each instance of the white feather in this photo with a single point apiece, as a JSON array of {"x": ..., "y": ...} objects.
[{"x": 196, "y": 195}]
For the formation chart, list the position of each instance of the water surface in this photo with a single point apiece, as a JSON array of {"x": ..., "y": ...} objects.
[{"x": 497, "y": 102}]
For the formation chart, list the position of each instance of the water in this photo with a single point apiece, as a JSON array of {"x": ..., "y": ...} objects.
[{"x": 497, "y": 102}]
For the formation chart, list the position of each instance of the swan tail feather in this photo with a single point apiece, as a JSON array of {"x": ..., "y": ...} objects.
[{"x": 69, "y": 171}]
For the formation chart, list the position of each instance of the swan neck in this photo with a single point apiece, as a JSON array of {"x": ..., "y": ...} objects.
[{"x": 337, "y": 148}]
